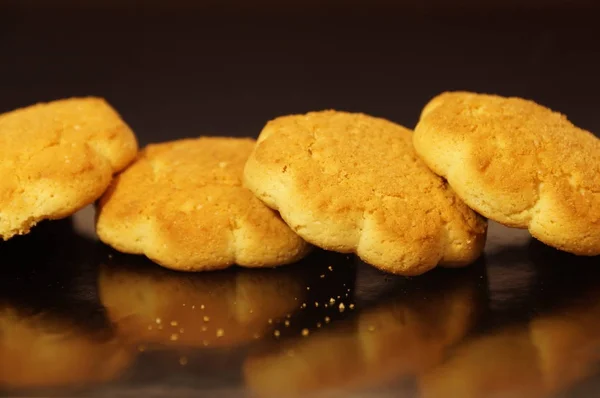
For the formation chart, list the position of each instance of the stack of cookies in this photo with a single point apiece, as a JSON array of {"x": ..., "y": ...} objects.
[{"x": 403, "y": 201}]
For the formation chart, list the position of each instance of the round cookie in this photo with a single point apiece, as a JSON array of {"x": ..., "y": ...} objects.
[
  {"x": 349, "y": 182},
  {"x": 182, "y": 205},
  {"x": 518, "y": 163},
  {"x": 56, "y": 158}
]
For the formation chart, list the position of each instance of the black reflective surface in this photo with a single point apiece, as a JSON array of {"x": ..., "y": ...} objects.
[{"x": 77, "y": 318}]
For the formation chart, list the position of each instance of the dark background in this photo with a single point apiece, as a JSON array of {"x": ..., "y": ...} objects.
[{"x": 184, "y": 68}]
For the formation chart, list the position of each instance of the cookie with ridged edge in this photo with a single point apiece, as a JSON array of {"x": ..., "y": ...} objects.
[
  {"x": 182, "y": 204},
  {"x": 518, "y": 163},
  {"x": 350, "y": 182},
  {"x": 56, "y": 158}
]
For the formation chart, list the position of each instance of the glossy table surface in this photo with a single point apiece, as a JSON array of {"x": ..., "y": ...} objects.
[{"x": 78, "y": 319}]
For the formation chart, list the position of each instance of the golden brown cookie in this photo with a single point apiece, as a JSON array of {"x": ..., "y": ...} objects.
[
  {"x": 182, "y": 204},
  {"x": 349, "y": 182},
  {"x": 518, "y": 163},
  {"x": 56, "y": 158}
]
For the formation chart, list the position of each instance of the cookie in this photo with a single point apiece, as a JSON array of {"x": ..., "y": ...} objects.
[
  {"x": 56, "y": 158},
  {"x": 349, "y": 182},
  {"x": 518, "y": 163},
  {"x": 182, "y": 204}
]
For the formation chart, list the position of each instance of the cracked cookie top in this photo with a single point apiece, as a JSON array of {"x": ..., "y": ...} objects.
[
  {"x": 182, "y": 204},
  {"x": 350, "y": 182},
  {"x": 518, "y": 163},
  {"x": 56, "y": 158}
]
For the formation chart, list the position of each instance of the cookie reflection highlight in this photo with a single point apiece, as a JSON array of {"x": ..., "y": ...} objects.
[
  {"x": 45, "y": 352},
  {"x": 539, "y": 358},
  {"x": 53, "y": 333},
  {"x": 163, "y": 308},
  {"x": 399, "y": 336}
]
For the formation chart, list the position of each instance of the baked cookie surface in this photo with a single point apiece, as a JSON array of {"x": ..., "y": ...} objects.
[
  {"x": 56, "y": 158},
  {"x": 349, "y": 182},
  {"x": 518, "y": 163},
  {"x": 182, "y": 204}
]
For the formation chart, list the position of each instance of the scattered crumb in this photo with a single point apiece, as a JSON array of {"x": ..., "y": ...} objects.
[
  {"x": 160, "y": 327},
  {"x": 270, "y": 321},
  {"x": 322, "y": 276},
  {"x": 206, "y": 319},
  {"x": 174, "y": 337},
  {"x": 327, "y": 319},
  {"x": 330, "y": 268},
  {"x": 174, "y": 323},
  {"x": 351, "y": 306},
  {"x": 183, "y": 304},
  {"x": 256, "y": 336},
  {"x": 204, "y": 328},
  {"x": 342, "y": 307},
  {"x": 276, "y": 333},
  {"x": 371, "y": 328},
  {"x": 202, "y": 306},
  {"x": 318, "y": 324},
  {"x": 183, "y": 361},
  {"x": 181, "y": 330},
  {"x": 158, "y": 321},
  {"x": 141, "y": 348},
  {"x": 193, "y": 307},
  {"x": 303, "y": 305},
  {"x": 332, "y": 301},
  {"x": 307, "y": 287},
  {"x": 149, "y": 327},
  {"x": 288, "y": 316},
  {"x": 316, "y": 304},
  {"x": 205, "y": 343},
  {"x": 305, "y": 332},
  {"x": 220, "y": 332},
  {"x": 287, "y": 323}
]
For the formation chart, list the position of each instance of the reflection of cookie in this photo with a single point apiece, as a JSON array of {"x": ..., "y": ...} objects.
[
  {"x": 504, "y": 364},
  {"x": 517, "y": 163},
  {"x": 56, "y": 158},
  {"x": 353, "y": 183},
  {"x": 42, "y": 352},
  {"x": 568, "y": 342},
  {"x": 182, "y": 204},
  {"x": 403, "y": 336},
  {"x": 153, "y": 305}
]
